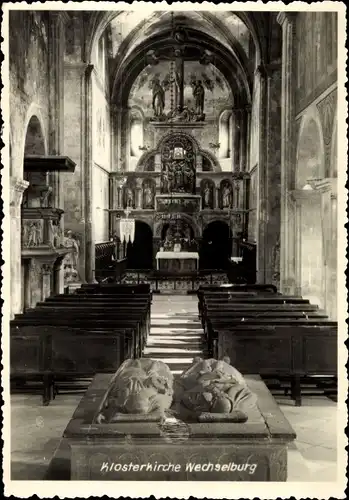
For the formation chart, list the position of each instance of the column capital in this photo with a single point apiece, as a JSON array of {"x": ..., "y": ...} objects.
[
  {"x": 286, "y": 16},
  {"x": 17, "y": 188}
]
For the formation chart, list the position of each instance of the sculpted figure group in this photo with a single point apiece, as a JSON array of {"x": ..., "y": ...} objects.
[{"x": 209, "y": 390}]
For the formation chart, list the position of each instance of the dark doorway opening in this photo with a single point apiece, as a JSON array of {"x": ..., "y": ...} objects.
[
  {"x": 215, "y": 249},
  {"x": 140, "y": 252}
]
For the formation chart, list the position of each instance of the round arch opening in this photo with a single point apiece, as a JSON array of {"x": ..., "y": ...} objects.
[
  {"x": 140, "y": 252},
  {"x": 215, "y": 250}
]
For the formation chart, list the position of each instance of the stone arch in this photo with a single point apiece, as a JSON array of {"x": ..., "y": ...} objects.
[
  {"x": 310, "y": 157},
  {"x": 215, "y": 249},
  {"x": 158, "y": 229},
  {"x": 140, "y": 252},
  {"x": 212, "y": 160},
  {"x": 185, "y": 135}
]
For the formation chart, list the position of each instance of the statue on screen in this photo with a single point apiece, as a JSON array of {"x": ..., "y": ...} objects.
[
  {"x": 226, "y": 196},
  {"x": 207, "y": 201},
  {"x": 139, "y": 387},
  {"x": 148, "y": 196},
  {"x": 212, "y": 389}
]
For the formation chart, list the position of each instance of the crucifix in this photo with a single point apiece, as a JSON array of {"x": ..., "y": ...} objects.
[{"x": 179, "y": 78}]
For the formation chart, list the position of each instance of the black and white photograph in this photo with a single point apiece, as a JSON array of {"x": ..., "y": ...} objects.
[{"x": 174, "y": 249}]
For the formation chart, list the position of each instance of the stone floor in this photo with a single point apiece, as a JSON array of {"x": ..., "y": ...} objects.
[{"x": 176, "y": 337}]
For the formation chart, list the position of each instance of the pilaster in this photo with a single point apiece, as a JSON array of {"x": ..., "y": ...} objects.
[
  {"x": 17, "y": 188},
  {"x": 287, "y": 22}
]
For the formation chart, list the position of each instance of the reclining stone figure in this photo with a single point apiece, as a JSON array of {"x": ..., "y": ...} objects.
[
  {"x": 213, "y": 390},
  {"x": 139, "y": 387}
]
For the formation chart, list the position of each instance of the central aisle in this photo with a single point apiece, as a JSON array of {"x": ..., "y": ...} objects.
[{"x": 176, "y": 336}]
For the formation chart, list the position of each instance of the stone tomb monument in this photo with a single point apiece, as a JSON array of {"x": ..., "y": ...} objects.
[{"x": 211, "y": 424}]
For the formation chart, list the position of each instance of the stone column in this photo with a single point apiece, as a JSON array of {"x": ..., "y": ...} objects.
[
  {"x": 332, "y": 278},
  {"x": 56, "y": 51},
  {"x": 298, "y": 253},
  {"x": 216, "y": 201},
  {"x": 78, "y": 146},
  {"x": 287, "y": 22},
  {"x": 236, "y": 139},
  {"x": 58, "y": 277},
  {"x": 138, "y": 195},
  {"x": 243, "y": 138},
  {"x": 47, "y": 270},
  {"x": 17, "y": 188},
  {"x": 262, "y": 213}
]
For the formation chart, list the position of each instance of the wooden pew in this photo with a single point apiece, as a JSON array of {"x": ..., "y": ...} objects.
[
  {"x": 45, "y": 352},
  {"x": 113, "y": 322},
  {"x": 282, "y": 317},
  {"x": 292, "y": 350}
]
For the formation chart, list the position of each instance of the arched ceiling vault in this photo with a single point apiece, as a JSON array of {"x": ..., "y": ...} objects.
[
  {"x": 227, "y": 34},
  {"x": 229, "y": 66}
]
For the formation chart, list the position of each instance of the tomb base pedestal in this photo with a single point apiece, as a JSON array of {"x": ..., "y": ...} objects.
[{"x": 174, "y": 450}]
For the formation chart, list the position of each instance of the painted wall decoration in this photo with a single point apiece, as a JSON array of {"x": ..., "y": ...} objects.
[
  {"x": 316, "y": 34},
  {"x": 100, "y": 126},
  {"x": 151, "y": 90}
]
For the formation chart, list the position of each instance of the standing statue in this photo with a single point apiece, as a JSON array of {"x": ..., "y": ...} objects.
[
  {"x": 71, "y": 259},
  {"x": 207, "y": 196},
  {"x": 199, "y": 97},
  {"x": 129, "y": 197},
  {"x": 139, "y": 387},
  {"x": 212, "y": 389},
  {"x": 164, "y": 182},
  {"x": 148, "y": 199},
  {"x": 158, "y": 99},
  {"x": 226, "y": 196},
  {"x": 178, "y": 175}
]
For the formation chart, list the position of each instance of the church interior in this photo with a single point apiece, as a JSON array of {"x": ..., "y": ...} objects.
[{"x": 173, "y": 197}]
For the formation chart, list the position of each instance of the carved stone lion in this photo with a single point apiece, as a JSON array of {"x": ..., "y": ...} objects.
[
  {"x": 214, "y": 390},
  {"x": 139, "y": 387}
]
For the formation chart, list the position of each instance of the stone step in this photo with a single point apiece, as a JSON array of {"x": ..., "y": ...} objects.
[
  {"x": 179, "y": 323},
  {"x": 184, "y": 315},
  {"x": 170, "y": 350},
  {"x": 165, "y": 329},
  {"x": 185, "y": 339}
]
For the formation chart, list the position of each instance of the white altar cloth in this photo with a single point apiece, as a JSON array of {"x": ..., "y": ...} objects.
[{"x": 176, "y": 255}]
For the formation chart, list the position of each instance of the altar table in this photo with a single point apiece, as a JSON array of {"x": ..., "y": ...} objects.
[{"x": 179, "y": 261}]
